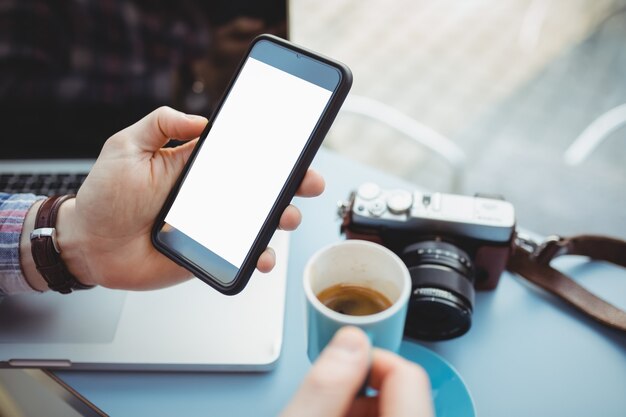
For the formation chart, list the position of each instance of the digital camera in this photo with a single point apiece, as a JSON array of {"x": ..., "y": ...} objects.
[{"x": 451, "y": 244}]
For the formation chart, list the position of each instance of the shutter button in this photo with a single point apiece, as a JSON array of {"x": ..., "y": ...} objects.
[{"x": 399, "y": 201}]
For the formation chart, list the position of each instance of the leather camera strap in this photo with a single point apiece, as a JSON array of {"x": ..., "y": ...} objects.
[{"x": 534, "y": 265}]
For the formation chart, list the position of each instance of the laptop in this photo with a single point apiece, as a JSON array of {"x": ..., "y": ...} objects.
[{"x": 186, "y": 327}]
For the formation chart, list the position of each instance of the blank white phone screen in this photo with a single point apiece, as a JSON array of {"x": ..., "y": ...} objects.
[{"x": 243, "y": 164}]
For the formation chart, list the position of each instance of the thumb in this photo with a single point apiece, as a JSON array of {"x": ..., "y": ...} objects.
[
  {"x": 163, "y": 124},
  {"x": 330, "y": 387}
]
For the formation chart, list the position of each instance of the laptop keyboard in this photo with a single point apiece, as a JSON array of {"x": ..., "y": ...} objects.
[{"x": 42, "y": 184}]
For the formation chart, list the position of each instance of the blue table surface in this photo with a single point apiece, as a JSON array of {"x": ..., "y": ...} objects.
[{"x": 527, "y": 354}]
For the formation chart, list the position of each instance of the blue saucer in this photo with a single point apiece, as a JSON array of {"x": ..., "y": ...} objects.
[{"x": 450, "y": 395}]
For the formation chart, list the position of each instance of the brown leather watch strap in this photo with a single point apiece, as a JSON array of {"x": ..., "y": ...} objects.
[
  {"x": 45, "y": 252},
  {"x": 535, "y": 267}
]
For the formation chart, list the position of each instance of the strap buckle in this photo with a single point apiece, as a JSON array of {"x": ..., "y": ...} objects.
[
  {"x": 525, "y": 242},
  {"x": 541, "y": 252},
  {"x": 552, "y": 247},
  {"x": 46, "y": 232}
]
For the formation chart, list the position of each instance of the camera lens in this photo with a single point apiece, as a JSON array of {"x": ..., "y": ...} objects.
[{"x": 443, "y": 291}]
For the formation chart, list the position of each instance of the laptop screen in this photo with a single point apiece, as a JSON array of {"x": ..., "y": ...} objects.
[{"x": 71, "y": 76}]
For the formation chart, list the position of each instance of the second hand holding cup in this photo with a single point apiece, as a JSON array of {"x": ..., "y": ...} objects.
[{"x": 356, "y": 263}]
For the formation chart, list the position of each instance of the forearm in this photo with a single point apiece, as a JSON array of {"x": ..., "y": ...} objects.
[{"x": 13, "y": 212}]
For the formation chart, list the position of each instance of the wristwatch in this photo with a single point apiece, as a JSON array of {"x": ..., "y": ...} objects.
[{"x": 46, "y": 251}]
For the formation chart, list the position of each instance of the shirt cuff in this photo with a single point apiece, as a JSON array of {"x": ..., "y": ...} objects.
[{"x": 13, "y": 210}]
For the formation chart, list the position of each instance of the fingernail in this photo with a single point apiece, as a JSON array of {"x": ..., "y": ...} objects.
[
  {"x": 195, "y": 117},
  {"x": 350, "y": 339}
]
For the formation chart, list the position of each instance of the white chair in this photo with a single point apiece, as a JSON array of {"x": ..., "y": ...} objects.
[
  {"x": 594, "y": 135},
  {"x": 424, "y": 135}
]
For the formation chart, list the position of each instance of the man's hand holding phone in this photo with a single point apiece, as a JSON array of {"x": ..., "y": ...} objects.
[
  {"x": 107, "y": 227},
  {"x": 261, "y": 138}
]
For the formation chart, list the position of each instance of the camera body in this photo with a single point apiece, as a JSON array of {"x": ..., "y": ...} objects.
[{"x": 452, "y": 244}]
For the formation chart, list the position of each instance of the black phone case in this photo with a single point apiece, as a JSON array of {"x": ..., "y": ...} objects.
[{"x": 289, "y": 189}]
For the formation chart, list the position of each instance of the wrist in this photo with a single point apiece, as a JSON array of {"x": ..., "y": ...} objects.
[{"x": 71, "y": 242}]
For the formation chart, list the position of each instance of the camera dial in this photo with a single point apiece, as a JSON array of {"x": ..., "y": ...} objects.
[{"x": 443, "y": 292}]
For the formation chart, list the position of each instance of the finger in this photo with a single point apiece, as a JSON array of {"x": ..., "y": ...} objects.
[
  {"x": 184, "y": 151},
  {"x": 266, "y": 261},
  {"x": 156, "y": 272},
  {"x": 404, "y": 387},
  {"x": 312, "y": 185},
  {"x": 290, "y": 219},
  {"x": 364, "y": 407},
  {"x": 179, "y": 155},
  {"x": 163, "y": 124},
  {"x": 331, "y": 385}
]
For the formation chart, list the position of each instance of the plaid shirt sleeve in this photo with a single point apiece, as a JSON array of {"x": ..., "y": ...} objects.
[{"x": 13, "y": 209}]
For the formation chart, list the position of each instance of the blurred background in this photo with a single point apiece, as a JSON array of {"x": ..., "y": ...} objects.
[
  {"x": 512, "y": 84},
  {"x": 522, "y": 98}
]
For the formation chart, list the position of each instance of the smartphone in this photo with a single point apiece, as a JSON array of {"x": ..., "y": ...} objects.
[
  {"x": 36, "y": 392},
  {"x": 249, "y": 161}
]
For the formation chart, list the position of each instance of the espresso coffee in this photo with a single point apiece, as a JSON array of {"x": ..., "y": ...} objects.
[{"x": 354, "y": 300}]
